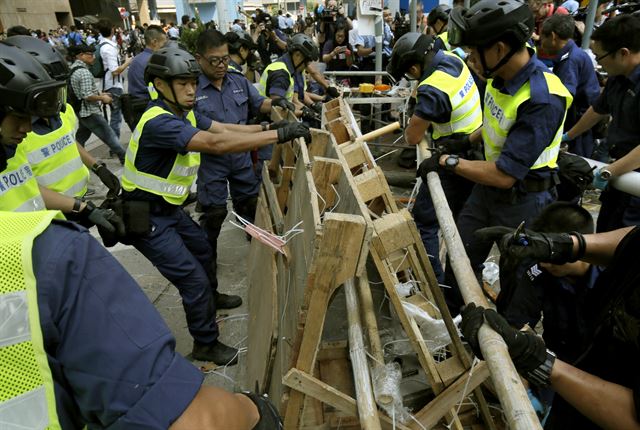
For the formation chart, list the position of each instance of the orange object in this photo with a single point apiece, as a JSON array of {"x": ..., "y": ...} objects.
[{"x": 382, "y": 87}]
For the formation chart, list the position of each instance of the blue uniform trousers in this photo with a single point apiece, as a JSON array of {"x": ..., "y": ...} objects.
[
  {"x": 456, "y": 190},
  {"x": 487, "y": 207},
  {"x": 618, "y": 210},
  {"x": 178, "y": 248},
  {"x": 218, "y": 170}
]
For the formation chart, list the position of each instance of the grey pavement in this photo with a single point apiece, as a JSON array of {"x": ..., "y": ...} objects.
[{"x": 233, "y": 250}]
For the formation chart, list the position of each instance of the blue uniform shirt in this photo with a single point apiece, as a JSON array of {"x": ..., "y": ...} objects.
[
  {"x": 621, "y": 100},
  {"x": 41, "y": 127},
  {"x": 162, "y": 139},
  {"x": 537, "y": 122},
  {"x": 278, "y": 82},
  {"x": 433, "y": 104},
  {"x": 575, "y": 69},
  {"x": 111, "y": 355},
  {"x": 137, "y": 86}
]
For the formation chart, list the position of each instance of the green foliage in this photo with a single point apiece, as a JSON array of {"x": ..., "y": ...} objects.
[{"x": 188, "y": 38}]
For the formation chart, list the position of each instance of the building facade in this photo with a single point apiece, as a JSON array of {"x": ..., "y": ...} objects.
[{"x": 35, "y": 14}]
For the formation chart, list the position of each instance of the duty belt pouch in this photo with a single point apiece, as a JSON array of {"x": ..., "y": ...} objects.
[{"x": 136, "y": 216}]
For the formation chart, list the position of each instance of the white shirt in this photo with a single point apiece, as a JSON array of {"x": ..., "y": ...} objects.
[
  {"x": 110, "y": 62},
  {"x": 173, "y": 32}
]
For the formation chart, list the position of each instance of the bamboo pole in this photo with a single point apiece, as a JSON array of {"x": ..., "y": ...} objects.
[
  {"x": 367, "y": 409},
  {"x": 512, "y": 394}
]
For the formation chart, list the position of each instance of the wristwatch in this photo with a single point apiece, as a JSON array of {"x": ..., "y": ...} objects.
[
  {"x": 541, "y": 375},
  {"x": 265, "y": 125},
  {"x": 451, "y": 162},
  {"x": 605, "y": 174},
  {"x": 77, "y": 203},
  {"x": 97, "y": 165}
]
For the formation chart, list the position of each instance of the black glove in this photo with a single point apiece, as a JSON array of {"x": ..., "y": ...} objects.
[
  {"x": 105, "y": 218},
  {"x": 292, "y": 131},
  {"x": 317, "y": 107},
  {"x": 108, "y": 178},
  {"x": 332, "y": 93},
  {"x": 269, "y": 417},
  {"x": 472, "y": 320},
  {"x": 283, "y": 103},
  {"x": 454, "y": 145},
  {"x": 527, "y": 349},
  {"x": 431, "y": 164},
  {"x": 309, "y": 114},
  {"x": 556, "y": 248},
  {"x": 278, "y": 124}
]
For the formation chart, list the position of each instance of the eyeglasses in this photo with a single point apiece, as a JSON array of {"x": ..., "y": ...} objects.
[
  {"x": 603, "y": 56},
  {"x": 215, "y": 61}
]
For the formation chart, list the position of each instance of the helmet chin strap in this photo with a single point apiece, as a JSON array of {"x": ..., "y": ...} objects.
[
  {"x": 488, "y": 72},
  {"x": 175, "y": 103}
]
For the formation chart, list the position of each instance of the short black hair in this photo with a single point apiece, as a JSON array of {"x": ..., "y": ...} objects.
[
  {"x": 620, "y": 32},
  {"x": 18, "y": 30},
  {"x": 185, "y": 19},
  {"x": 562, "y": 25},
  {"x": 209, "y": 39},
  {"x": 563, "y": 217},
  {"x": 153, "y": 32},
  {"x": 105, "y": 28}
]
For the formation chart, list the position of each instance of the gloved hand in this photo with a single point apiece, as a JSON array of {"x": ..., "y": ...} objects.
[
  {"x": 332, "y": 93},
  {"x": 472, "y": 320},
  {"x": 565, "y": 137},
  {"x": 317, "y": 107},
  {"x": 556, "y": 248},
  {"x": 283, "y": 103},
  {"x": 309, "y": 114},
  {"x": 108, "y": 178},
  {"x": 598, "y": 181},
  {"x": 278, "y": 124},
  {"x": 102, "y": 217},
  {"x": 294, "y": 130},
  {"x": 269, "y": 417},
  {"x": 454, "y": 145},
  {"x": 431, "y": 164}
]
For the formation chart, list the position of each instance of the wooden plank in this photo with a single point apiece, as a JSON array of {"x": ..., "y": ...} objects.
[
  {"x": 356, "y": 155},
  {"x": 332, "y": 114},
  {"x": 320, "y": 139},
  {"x": 339, "y": 131},
  {"x": 391, "y": 234},
  {"x": 287, "y": 165},
  {"x": 262, "y": 304},
  {"x": 326, "y": 172},
  {"x": 303, "y": 382},
  {"x": 433, "y": 412},
  {"x": 277, "y": 218}
]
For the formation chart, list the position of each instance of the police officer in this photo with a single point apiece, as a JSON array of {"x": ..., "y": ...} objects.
[
  {"x": 438, "y": 20},
  {"x": 161, "y": 164},
  {"x": 30, "y": 92},
  {"x": 448, "y": 102},
  {"x": 228, "y": 98},
  {"x": 616, "y": 45},
  {"x": 57, "y": 160},
  {"x": 603, "y": 388},
  {"x": 524, "y": 110},
  {"x": 242, "y": 50},
  {"x": 575, "y": 69}
]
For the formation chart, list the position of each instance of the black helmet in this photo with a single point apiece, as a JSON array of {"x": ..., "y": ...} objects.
[
  {"x": 44, "y": 53},
  {"x": 171, "y": 63},
  {"x": 410, "y": 49},
  {"x": 440, "y": 12},
  {"x": 238, "y": 39},
  {"x": 26, "y": 87},
  {"x": 488, "y": 21},
  {"x": 303, "y": 43}
]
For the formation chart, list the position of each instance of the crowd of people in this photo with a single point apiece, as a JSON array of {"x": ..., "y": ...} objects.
[{"x": 506, "y": 98}]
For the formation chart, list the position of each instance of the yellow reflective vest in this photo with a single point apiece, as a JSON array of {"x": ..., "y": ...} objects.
[
  {"x": 278, "y": 65},
  {"x": 27, "y": 398},
  {"x": 174, "y": 189},
  {"x": 466, "y": 113},
  {"x": 55, "y": 159},
  {"x": 19, "y": 191},
  {"x": 500, "y": 114}
]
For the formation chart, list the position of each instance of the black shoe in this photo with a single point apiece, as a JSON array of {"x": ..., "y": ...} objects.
[
  {"x": 216, "y": 352},
  {"x": 227, "y": 301}
]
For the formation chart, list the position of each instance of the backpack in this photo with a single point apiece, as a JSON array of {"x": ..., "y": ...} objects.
[
  {"x": 575, "y": 175},
  {"x": 97, "y": 68},
  {"x": 72, "y": 99}
]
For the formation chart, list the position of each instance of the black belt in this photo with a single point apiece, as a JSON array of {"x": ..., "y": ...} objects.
[{"x": 538, "y": 185}]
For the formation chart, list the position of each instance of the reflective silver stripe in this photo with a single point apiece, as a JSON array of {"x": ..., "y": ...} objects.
[
  {"x": 61, "y": 172},
  {"x": 468, "y": 106},
  {"x": 75, "y": 189},
  {"x": 454, "y": 126},
  {"x": 14, "y": 319},
  {"x": 457, "y": 99},
  {"x": 26, "y": 411},
  {"x": 547, "y": 155},
  {"x": 34, "y": 204},
  {"x": 494, "y": 138},
  {"x": 185, "y": 171},
  {"x": 148, "y": 183},
  {"x": 49, "y": 150}
]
